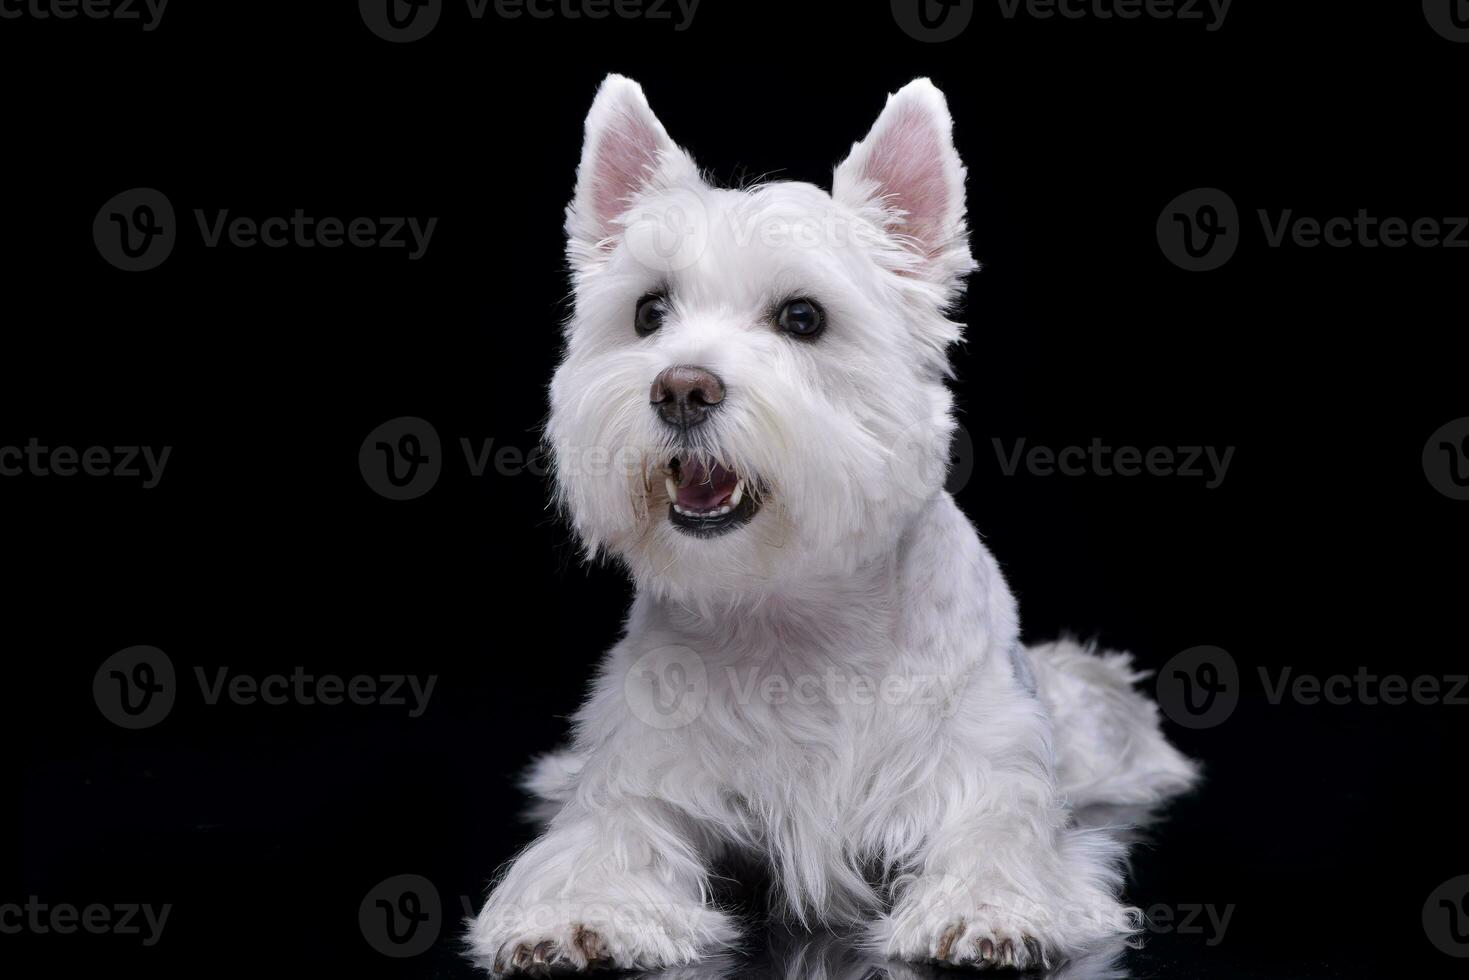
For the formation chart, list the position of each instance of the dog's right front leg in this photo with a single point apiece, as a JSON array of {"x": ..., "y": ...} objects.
[{"x": 619, "y": 885}]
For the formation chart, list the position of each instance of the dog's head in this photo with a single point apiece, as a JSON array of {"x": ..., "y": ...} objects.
[{"x": 752, "y": 393}]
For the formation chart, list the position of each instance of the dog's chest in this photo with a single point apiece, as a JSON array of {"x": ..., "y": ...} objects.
[{"x": 818, "y": 752}]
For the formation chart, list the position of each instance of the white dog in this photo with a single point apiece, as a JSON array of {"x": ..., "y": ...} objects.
[{"x": 822, "y": 667}]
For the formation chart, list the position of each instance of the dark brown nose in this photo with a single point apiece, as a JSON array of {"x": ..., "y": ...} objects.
[{"x": 682, "y": 395}]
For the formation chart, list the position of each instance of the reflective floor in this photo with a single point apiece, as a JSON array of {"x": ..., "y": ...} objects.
[
  {"x": 790, "y": 956},
  {"x": 780, "y": 954}
]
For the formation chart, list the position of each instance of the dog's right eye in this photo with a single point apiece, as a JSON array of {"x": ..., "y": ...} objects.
[{"x": 651, "y": 311}]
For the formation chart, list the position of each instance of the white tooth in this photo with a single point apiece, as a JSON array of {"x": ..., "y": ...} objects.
[
  {"x": 723, "y": 510},
  {"x": 738, "y": 495},
  {"x": 671, "y": 486}
]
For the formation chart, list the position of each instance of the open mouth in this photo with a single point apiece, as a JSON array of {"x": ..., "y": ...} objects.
[{"x": 706, "y": 499}]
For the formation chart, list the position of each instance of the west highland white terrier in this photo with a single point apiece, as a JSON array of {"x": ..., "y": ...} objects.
[{"x": 822, "y": 668}]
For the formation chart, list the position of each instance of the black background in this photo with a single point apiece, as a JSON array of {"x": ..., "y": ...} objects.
[{"x": 262, "y": 549}]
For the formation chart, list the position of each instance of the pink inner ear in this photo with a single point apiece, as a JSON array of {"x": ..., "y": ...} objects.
[
  {"x": 626, "y": 156},
  {"x": 907, "y": 164}
]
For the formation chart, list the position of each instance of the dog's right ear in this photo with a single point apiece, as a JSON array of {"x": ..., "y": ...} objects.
[{"x": 626, "y": 152}]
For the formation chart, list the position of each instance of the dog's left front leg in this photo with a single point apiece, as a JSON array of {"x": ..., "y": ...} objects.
[
  {"x": 615, "y": 884},
  {"x": 1006, "y": 882}
]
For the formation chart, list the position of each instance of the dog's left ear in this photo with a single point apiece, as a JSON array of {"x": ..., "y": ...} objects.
[{"x": 908, "y": 167}]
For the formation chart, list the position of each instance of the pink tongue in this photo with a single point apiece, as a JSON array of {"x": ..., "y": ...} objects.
[{"x": 704, "y": 489}]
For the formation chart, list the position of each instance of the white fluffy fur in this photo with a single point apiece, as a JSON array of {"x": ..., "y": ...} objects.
[{"x": 944, "y": 822}]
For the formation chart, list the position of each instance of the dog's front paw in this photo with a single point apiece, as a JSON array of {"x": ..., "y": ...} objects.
[
  {"x": 981, "y": 936},
  {"x": 987, "y": 925},
  {"x": 578, "y": 937},
  {"x": 989, "y": 939},
  {"x": 584, "y": 950}
]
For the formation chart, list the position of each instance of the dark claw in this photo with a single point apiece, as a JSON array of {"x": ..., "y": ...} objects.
[
  {"x": 543, "y": 952},
  {"x": 591, "y": 944},
  {"x": 946, "y": 942},
  {"x": 521, "y": 959}
]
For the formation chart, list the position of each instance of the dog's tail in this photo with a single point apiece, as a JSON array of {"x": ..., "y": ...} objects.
[
  {"x": 1109, "y": 742},
  {"x": 550, "y": 781}
]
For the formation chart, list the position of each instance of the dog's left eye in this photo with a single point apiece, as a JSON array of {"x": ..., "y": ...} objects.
[
  {"x": 802, "y": 318},
  {"x": 651, "y": 311}
]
